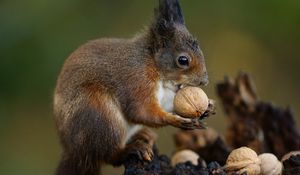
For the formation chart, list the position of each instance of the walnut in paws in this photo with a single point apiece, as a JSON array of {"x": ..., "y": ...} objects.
[{"x": 191, "y": 102}]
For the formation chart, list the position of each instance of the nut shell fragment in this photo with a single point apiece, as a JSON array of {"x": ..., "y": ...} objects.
[
  {"x": 288, "y": 155},
  {"x": 184, "y": 156}
]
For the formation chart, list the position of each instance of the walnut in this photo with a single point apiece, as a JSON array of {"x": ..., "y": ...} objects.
[
  {"x": 190, "y": 102},
  {"x": 270, "y": 165},
  {"x": 243, "y": 160}
]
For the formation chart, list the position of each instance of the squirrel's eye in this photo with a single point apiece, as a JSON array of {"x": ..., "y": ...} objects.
[{"x": 183, "y": 62}]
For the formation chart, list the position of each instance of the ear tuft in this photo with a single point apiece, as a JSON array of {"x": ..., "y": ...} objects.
[
  {"x": 167, "y": 16},
  {"x": 170, "y": 11}
]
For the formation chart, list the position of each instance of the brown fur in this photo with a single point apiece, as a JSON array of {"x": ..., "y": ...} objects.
[{"x": 107, "y": 83}]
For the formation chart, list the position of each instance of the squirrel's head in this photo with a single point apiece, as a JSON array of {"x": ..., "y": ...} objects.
[{"x": 176, "y": 52}]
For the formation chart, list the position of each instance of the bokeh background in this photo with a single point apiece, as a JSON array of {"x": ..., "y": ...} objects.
[{"x": 260, "y": 37}]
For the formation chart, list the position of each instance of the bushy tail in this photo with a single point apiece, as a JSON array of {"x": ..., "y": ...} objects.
[{"x": 68, "y": 166}]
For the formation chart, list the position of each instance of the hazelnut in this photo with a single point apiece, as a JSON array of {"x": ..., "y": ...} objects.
[
  {"x": 184, "y": 156},
  {"x": 190, "y": 102},
  {"x": 243, "y": 160},
  {"x": 270, "y": 165}
]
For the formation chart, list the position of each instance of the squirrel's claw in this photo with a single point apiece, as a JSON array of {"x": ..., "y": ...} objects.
[
  {"x": 192, "y": 123},
  {"x": 187, "y": 123},
  {"x": 142, "y": 150}
]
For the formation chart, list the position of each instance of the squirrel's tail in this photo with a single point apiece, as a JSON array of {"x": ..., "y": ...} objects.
[{"x": 68, "y": 166}]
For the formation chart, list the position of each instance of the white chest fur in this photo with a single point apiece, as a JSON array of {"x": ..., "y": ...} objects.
[{"x": 165, "y": 97}]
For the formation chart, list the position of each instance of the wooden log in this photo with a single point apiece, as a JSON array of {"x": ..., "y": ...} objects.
[{"x": 254, "y": 123}]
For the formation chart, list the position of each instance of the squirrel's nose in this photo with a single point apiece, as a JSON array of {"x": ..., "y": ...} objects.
[
  {"x": 204, "y": 81},
  {"x": 201, "y": 80}
]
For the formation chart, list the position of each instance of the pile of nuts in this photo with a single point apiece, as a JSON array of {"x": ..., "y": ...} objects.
[{"x": 241, "y": 160}]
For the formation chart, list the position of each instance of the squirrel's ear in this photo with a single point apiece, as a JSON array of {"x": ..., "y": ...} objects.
[
  {"x": 170, "y": 11},
  {"x": 167, "y": 16}
]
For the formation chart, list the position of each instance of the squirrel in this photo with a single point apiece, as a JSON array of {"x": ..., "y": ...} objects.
[{"x": 108, "y": 88}]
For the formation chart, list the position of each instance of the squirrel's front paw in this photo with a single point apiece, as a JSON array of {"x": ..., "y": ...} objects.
[{"x": 186, "y": 123}]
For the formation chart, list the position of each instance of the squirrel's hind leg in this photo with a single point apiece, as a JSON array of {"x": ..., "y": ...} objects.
[
  {"x": 95, "y": 132},
  {"x": 139, "y": 144}
]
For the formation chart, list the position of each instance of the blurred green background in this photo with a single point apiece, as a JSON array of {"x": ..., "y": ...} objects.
[{"x": 260, "y": 37}]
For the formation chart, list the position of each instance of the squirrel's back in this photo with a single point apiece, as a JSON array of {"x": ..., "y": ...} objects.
[
  {"x": 112, "y": 66},
  {"x": 101, "y": 59}
]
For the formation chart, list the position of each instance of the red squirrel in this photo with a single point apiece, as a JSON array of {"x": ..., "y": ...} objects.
[{"x": 108, "y": 87}]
